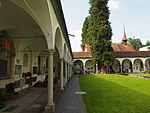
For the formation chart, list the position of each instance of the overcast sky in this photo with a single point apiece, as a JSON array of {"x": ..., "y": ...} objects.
[{"x": 134, "y": 13}]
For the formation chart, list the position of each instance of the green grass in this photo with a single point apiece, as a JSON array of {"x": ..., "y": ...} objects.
[
  {"x": 115, "y": 94},
  {"x": 140, "y": 74}
]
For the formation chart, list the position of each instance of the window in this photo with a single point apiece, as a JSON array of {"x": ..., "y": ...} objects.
[
  {"x": 25, "y": 60},
  {"x": 4, "y": 57}
]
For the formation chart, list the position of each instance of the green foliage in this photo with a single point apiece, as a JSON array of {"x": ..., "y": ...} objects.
[
  {"x": 102, "y": 51},
  {"x": 147, "y": 72},
  {"x": 115, "y": 94},
  {"x": 97, "y": 32},
  {"x": 147, "y": 43},
  {"x": 99, "y": 25},
  {"x": 2, "y": 103},
  {"x": 10, "y": 88},
  {"x": 135, "y": 42},
  {"x": 85, "y": 35}
]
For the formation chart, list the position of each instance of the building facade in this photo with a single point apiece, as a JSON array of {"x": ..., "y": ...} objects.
[
  {"x": 127, "y": 60},
  {"x": 34, "y": 44}
]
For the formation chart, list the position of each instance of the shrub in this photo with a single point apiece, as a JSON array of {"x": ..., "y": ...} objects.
[
  {"x": 147, "y": 72},
  {"x": 2, "y": 103},
  {"x": 9, "y": 90},
  {"x": 41, "y": 84}
]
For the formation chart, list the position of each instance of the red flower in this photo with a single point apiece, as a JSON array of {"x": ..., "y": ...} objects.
[{"x": 54, "y": 87}]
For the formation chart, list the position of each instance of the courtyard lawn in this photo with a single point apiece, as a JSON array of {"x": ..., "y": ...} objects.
[
  {"x": 115, "y": 94},
  {"x": 140, "y": 74}
]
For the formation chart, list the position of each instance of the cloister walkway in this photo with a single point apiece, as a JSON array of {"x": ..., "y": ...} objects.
[
  {"x": 70, "y": 101},
  {"x": 33, "y": 100}
]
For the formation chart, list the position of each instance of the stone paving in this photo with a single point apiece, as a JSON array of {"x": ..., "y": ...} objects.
[
  {"x": 70, "y": 100},
  {"x": 30, "y": 100},
  {"x": 33, "y": 100}
]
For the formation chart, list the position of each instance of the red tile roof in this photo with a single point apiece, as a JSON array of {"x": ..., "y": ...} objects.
[
  {"x": 116, "y": 47},
  {"x": 122, "y": 48},
  {"x": 133, "y": 54},
  {"x": 82, "y": 55},
  {"x": 118, "y": 54}
]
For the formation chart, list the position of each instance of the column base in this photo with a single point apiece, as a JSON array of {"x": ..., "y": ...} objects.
[
  {"x": 49, "y": 107},
  {"x": 62, "y": 89}
]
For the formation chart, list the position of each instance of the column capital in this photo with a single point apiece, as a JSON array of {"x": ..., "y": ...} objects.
[
  {"x": 50, "y": 51},
  {"x": 62, "y": 59},
  {"x": 66, "y": 62}
]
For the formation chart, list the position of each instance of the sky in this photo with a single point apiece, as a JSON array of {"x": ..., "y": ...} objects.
[{"x": 135, "y": 14}]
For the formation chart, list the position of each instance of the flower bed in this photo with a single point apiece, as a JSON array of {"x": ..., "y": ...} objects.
[
  {"x": 44, "y": 84},
  {"x": 8, "y": 94}
]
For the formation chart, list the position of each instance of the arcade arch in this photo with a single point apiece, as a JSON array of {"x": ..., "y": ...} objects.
[
  {"x": 127, "y": 66},
  {"x": 89, "y": 67},
  {"x": 78, "y": 67},
  {"x": 138, "y": 65}
]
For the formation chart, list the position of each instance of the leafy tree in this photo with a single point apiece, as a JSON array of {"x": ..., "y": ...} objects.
[
  {"x": 97, "y": 33},
  {"x": 147, "y": 43},
  {"x": 102, "y": 54},
  {"x": 136, "y": 43},
  {"x": 85, "y": 32}
]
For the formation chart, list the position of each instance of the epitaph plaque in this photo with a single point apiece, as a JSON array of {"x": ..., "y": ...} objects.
[
  {"x": 35, "y": 70},
  {"x": 18, "y": 69}
]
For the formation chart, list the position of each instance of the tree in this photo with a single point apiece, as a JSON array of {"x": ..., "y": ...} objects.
[
  {"x": 103, "y": 53},
  {"x": 97, "y": 33},
  {"x": 85, "y": 31},
  {"x": 136, "y": 43},
  {"x": 147, "y": 43}
]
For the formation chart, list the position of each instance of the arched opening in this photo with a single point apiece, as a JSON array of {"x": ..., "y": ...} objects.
[
  {"x": 27, "y": 60},
  {"x": 39, "y": 65},
  {"x": 58, "y": 54},
  {"x": 78, "y": 67},
  {"x": 6, "y": 57},
  {"x": 147, "y": 64},
  {"x": 58, "y": 42},
  {"x": 138, "y": 65},
  {"x": 65, "y": 66},
  {"x": 57, "y": 67},
  {"x": 116, "y": 67},
  {"x": 127, "y": 66},
  {"x": 89, "y": 67},
  {"x": 23, "y": 33}
]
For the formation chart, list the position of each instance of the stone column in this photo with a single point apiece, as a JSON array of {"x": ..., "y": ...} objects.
[
  {"x": 144, "y": 66},
  {"x": 66, "y": 72},
  {"x": 96, "y": 68},
  {"x": 84, "y": 69},
  {"x": 61, "y": 74},
  {"x": 70, "y": 70},
  {"x": 42, "y": 62},
  {"x": 121, "y": 68},
  {"x": 50, "y": 103}
]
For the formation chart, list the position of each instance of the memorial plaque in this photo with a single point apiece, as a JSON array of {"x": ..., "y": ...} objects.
[
  {"x": 18, "y": 69},
  {"x": 35, "y": 70},
  {"x": 3, "y": 68}
]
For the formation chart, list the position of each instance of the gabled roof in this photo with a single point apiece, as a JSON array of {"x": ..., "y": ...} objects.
[
  {"x": 122, "y": 48},
  {"x": 133, "y": 54},
  {"x": 122, "y": 51},
  {"x": 118, "y": 54},
  {"x": 82, "y": 55}
]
